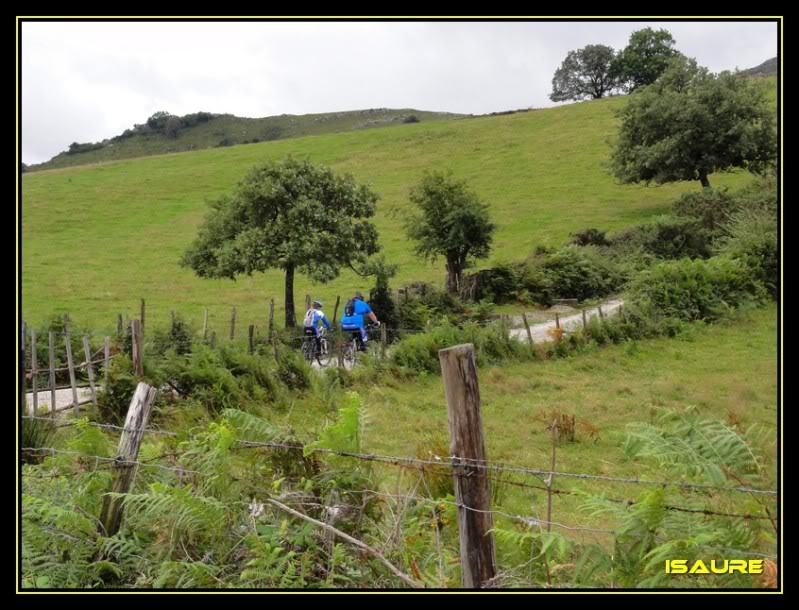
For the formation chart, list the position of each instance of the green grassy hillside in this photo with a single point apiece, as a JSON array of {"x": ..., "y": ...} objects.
[
  {"x": 98, "y": 238},
  {"x": 229, "y": 130}
]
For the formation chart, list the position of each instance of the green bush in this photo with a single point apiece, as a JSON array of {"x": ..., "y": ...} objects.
[
  {"x": 292, "y": 370},
  {"x": 590, "y": 237},
  {"x": 691, "y": 290},
  {"x": 500, "y": 284},
  {"x": 419, "y": 309},
  {"x": 177, "y": 337},
  {"x": 666, "y": 237},
  {"x": 537, "y": 286},
  {"x": 580, "y": 273},
  {"x": 203, "y": 375},
  {"x": 752, "y": 240},
  {"x": 118, "y": 388},
  {"x": 709, "y": 208},
  {"x": 492, "y": 344}
]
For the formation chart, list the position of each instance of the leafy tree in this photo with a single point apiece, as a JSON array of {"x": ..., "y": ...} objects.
[
  {"x": 158, "y": 119},
  {"x": 452, "y": 222},
  {"x": 380, "y": 298},
  {"x": 585, "y": 73},
  {"x": 690, "y": 124},
  {"x": 290, "y": 215},
  {"x": 645, "y": 58},
  {"x": 172, "y": 126}
]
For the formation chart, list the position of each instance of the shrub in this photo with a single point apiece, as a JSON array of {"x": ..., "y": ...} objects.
[
  {"x": 709, "y": 208},
  {"x": 411, "y": 119},
  {"x": 581, "y": 273},
  {"x": 667, "y": 237},
  {"x": 177, "y": 337},
  {"x": 590, "y": 237},
  {"x": 380, "y": 299},
  {"x": 202, "y": 374},
  {"x": 292, "y": 370},
  {"x": 492, "y": 344},
  {"x": 114, "y": 396},
  {"x": 695, "y": 289},
  {"x": 752, "y": 240},
  {"x": 537, "y": 285}
]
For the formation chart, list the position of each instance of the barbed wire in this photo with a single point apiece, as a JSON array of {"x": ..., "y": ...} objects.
[
  {"x": 483, "y": 465},
  {"x": 118, "y": 461},
  {"x": 103, "y": 426},
  {"x": 456, "y": 462},
  {"x": 527, "y": 520}
]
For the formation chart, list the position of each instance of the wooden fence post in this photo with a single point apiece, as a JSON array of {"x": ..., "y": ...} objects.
[
  {"x": 584, "y": 321},
  {"x": 335, "y": 309},
  {"x": 138, "y": 348},
  {"x": 557, "y": 320},
  {"x": 34, "y": 373},
  {"x": 119, "y": 326},
  {"x": 383, "y": 340},
  {"x": 250, "y": 336},
  {"x": 128, "y": 451},
  {"x": 51, "y": 358},
  {"x": 307, "y": 302},
  {"x": 601, "y": 315},
  {"x": 205, "y": 325},
  {"x": 22, "y": 338},
  {"x": 106, "y": 357},
  {"x": 141, "y": 316},
  {"x": 70, "y": 364},
  {"x": 271, "y": 319},
  {"x": 472, "y": 492},
  {"x": 89, "y": 368},
  {"x": 213, "y": 338},
  {"x": 232, "y": 323},
  {"x": 527, "y": 327}
]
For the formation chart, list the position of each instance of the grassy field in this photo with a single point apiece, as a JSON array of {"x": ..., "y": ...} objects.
[
  {"x": 729, "y": 371},
  {"x": 98, "y": 238},
  {"x": 228, "y": 130}
]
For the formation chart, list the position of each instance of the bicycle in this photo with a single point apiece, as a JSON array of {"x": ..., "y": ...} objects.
[
  {"x": 352, "y": 348},
  {"x": 311, "y": 350}
]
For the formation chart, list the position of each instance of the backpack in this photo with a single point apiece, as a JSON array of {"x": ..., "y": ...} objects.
[
  {"x": 349, "y": 308},
  {"x": 308, "y": 318}
]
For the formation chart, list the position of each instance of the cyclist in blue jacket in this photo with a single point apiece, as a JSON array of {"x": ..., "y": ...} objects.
[{"x": 355, "y": 313}]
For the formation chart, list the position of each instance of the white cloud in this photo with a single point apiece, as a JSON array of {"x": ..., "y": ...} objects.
[{"x": 84, "y": 81}]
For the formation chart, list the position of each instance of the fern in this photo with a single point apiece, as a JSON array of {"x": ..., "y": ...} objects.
[
  {"x": 273, "y": 566},
  {"x": 186, "y": 516},
  {"x": 693, "y": 446},
  {"x": 347, "y": 432},
  {"x": 187, "y": 575},
  {"x": 249, "y": 426}
]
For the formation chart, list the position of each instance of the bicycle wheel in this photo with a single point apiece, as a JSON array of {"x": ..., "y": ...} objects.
[
  {"x": 325, "y": 353},
  {"x": 308, "y": 350}
]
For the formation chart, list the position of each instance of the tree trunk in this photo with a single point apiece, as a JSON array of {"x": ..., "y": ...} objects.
[
  {"x": 454, "y": 273},
  {"x": 703, "y": 179},
  {"x": 291, "y": 320}
]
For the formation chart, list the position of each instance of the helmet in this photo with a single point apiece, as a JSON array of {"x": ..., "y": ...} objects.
[
  {"x": 318, "y": 304},
  {"x": 359, "y": 296}
]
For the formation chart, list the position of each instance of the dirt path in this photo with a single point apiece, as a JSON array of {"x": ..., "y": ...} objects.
[
  {"x": 571, "y": 322},
  {"x": 63, "y": 399}
]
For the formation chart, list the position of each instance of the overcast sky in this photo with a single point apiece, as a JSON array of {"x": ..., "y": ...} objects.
[{"x": 89, "y": 81}]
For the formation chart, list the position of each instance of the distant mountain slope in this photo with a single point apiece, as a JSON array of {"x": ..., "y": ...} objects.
[
  {"x": 164, "y": 133},
  {"x": 770, "y": 67}
]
